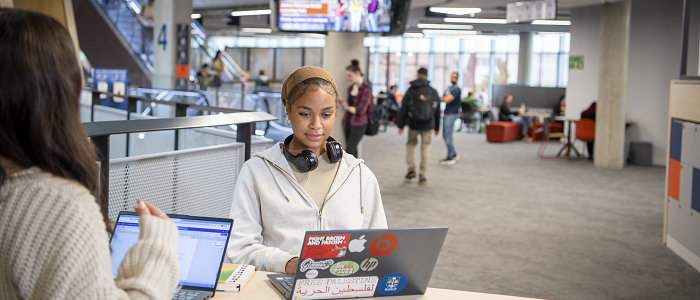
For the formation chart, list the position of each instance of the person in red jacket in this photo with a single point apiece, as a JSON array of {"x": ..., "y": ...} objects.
[
  {"x": 589, "y": 113},
  {"x": 358, "y": 107}
]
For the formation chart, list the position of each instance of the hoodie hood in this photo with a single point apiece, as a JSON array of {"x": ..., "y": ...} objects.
[
  {"x": 279, "y": 167},
  {"x": 420, "y": 83}
]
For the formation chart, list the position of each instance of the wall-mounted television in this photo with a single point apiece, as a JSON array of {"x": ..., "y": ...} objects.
[{"x": 338, "y": 15}]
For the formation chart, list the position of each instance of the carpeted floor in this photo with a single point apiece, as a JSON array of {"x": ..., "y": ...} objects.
[{"x": 527, "y": 227}]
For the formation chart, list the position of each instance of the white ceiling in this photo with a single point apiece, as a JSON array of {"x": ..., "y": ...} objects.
[
  {"x": 490, "y": 9},
  {"x": 483, "y": 4}
]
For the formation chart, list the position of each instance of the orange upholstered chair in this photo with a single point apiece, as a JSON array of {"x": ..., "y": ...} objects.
[
  {"x": 585, "y": 130},
  {"x": 502, "y": 131}
]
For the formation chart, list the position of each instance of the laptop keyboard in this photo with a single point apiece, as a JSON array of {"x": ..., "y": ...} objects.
[
  {"x": 287, "y": 284},
  {"x": 185, "y": 295}
]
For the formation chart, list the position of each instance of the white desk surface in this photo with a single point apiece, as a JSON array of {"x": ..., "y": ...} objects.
[{"x": 260, "y": 288}]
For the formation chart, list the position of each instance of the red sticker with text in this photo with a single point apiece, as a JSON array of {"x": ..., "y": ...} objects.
[
  {"x": 326, "y": 246},
  {"x": 383, "y": 245}
]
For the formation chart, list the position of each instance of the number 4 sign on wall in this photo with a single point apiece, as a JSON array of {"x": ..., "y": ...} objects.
[{"x": 162, "y": 37}]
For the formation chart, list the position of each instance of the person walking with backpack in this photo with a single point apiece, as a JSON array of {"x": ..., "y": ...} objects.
[
  {"x": 359, "y": 108},
  {"x": 420, "y": 111},
  {"x": 452, "y": 97}
]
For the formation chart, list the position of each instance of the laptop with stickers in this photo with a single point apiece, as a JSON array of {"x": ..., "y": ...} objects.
[
  {"x": 363, "y": 263},
  {"x": 200, "y": 249}
]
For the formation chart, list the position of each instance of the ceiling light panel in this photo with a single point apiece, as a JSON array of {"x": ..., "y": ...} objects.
[
  {"x": 259, "y": 12},
  {"x": 444, "y": 26},
  {"x": 455, "y": 10},
  {"x": 551, "y": 22},
  {"x": 475, "y": 21}
]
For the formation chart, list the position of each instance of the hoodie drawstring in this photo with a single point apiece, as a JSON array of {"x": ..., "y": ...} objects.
[{"x": 362, "y": 200}]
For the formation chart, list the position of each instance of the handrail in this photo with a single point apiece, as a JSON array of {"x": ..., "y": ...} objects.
[
  {"x": 132, "y": 126},
  {"x": 180, "y": 107}
]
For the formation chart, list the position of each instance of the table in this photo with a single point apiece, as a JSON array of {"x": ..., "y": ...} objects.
[
  {"x": 535, "y": 114},
  {"x": 568, "y": 146},
  {"x": 259, "y": 288}
]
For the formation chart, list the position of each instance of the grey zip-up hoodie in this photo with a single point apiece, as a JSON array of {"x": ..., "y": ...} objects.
[{"x": 272, "y": 212}]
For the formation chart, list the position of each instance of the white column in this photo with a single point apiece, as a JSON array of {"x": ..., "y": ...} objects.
[
  {"x": 525, "y": 57},
  {"x": 340, "y": 49},
  {"x": 460, "y": 66},
  {"x": 402, "y": 70},
  {"x": 612, "y": 83},
  {"x": 167, "y": 15}
]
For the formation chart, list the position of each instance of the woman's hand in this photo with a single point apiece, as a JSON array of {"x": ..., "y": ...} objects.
[
  {"x": 144, "y": 208},
  {"x": 291, "y": 265}
]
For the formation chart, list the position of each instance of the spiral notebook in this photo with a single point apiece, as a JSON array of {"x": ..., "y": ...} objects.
[{"x": 233, "y": 277}]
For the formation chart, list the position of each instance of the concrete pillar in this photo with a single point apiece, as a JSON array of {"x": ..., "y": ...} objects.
[
  {"x": 612, "y": 83},
  {"x": 460, "y": 67},
  {"x": 340, "y": 49},
  {"x": 168, "y": 14},
  {"x": 525, "y": 57},
  {"x": 402, "y": 72},
  {"x": 431, "y": 63}
]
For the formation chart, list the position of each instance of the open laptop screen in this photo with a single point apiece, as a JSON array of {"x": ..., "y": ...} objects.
[{"x": 200, "y": 247}]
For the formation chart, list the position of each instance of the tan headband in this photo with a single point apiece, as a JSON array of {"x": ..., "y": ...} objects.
[{"x": 302, "y": 74}]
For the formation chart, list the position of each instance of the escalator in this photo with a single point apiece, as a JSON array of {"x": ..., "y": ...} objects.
[{"x": 111, "y": 37}]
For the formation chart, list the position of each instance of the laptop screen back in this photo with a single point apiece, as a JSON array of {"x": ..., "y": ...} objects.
[{"x": 200, "y": 247}]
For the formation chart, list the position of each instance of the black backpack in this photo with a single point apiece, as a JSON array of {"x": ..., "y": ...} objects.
[{"x": 423, "y": 105}]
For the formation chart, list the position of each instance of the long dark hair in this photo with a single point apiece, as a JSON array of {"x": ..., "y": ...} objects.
[{"x": 40, "y": 86}]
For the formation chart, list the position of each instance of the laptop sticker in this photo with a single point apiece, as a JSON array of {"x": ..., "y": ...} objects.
[
  {"x": 311, "y": 274},
  {"x": 310, "y": 264},
  {"x": 345, "y": 268},
  {"x": 357, "y": 245},
  {"x": 369, "y": 264},
  {"x": 327, "y": 288},
  {"x": 326, "y": 246},
  {"x": 392, "y": 284},
  {"x": 384, "y": 245}
]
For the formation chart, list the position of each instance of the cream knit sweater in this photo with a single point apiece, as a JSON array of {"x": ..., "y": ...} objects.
[{"x": 53, "y": 245}]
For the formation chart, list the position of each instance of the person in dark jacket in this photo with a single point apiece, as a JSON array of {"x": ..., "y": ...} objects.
[
  {"x": 506, "y": 115},
  {"x": 420, "y": 109}
]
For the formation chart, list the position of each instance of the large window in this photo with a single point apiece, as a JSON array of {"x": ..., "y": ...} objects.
[
  {"x": 550, "y": 60},
  {"x": 481, "y": 61}
]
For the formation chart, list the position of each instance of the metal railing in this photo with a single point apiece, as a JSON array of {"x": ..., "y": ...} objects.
[
  {"x": 100, "y": 132},
  {"x": 181, "y": 109}
]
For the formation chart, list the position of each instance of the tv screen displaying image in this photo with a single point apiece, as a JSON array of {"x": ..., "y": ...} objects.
[{"x": 335, "y": 15}]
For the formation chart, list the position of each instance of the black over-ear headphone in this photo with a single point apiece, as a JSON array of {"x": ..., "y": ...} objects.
[{"x": 306, "y": 160}]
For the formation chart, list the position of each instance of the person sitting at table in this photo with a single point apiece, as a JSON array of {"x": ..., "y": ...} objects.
[
  {"x": 54, "y": 238},
  {"x": 559, "y": 109},
  {"x": 506, "y": 115},
  {"x": 306, "y": 183}
]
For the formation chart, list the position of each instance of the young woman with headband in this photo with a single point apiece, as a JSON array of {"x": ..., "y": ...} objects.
[{"x": 305, "y": 183}]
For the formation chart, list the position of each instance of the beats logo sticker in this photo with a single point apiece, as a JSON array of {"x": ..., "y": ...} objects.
[{"x": 383, "y": 245}]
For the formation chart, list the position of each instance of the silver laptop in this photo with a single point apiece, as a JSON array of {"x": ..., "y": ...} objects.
[
  {"x": 363, "y": 263},
  {"x": 201, "y": 246}
]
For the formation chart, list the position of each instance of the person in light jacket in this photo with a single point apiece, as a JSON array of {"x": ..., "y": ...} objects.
[{"x": 279, "y": 196}]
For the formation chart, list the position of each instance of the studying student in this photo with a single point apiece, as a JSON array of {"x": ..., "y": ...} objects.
[
  {"x": 303, "y": 184},
  {"x": 54, "y": 241}
]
